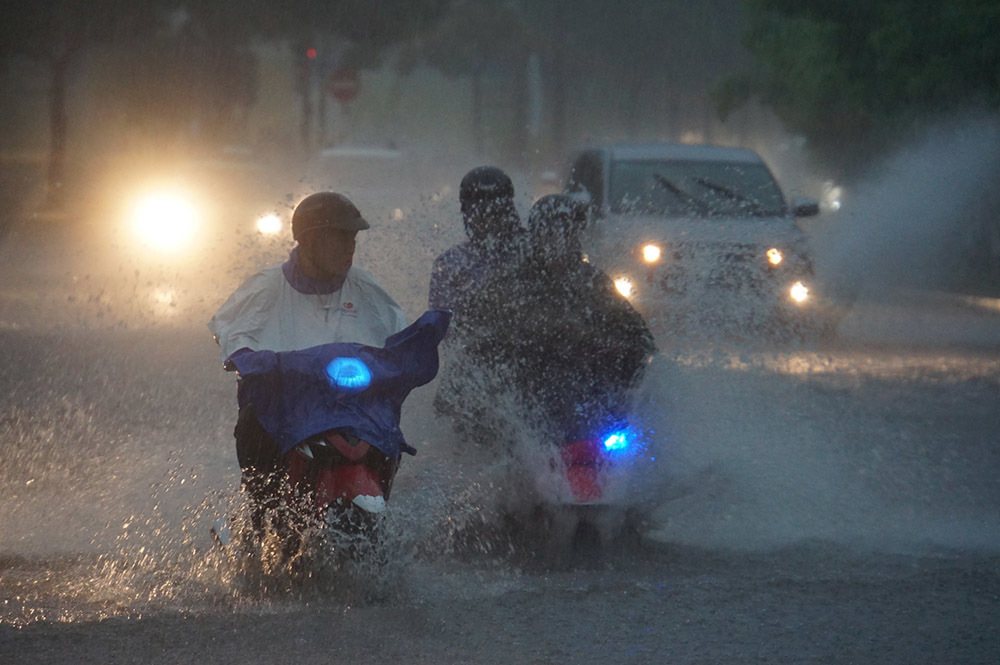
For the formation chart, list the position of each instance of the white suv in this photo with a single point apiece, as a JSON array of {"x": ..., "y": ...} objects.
[{"x": 698, "y": 233}]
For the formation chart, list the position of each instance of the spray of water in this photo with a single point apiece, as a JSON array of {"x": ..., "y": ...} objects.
[
  {"x": 772, "y": 449},
  {"x": 769, "y": 448},
  {"x": 119, "y": 450},
  {"x": 915, "y": 220}
]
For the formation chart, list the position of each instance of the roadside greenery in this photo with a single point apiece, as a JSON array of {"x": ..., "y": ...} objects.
[
  {"x": 183, "y": 65},
  {"x": 857, "y": 77}
]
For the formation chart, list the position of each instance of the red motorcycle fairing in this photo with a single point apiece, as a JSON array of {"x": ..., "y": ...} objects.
[
  {"x": 584, "y": 463},
  {"x": 346, "y": 482},
  {"x": 339, "y": 468}
]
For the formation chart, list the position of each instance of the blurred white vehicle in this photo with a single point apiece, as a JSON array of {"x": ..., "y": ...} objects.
[{"x": 698, "y": 232}]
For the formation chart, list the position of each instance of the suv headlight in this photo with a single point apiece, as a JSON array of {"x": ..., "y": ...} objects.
[
  {"x": 799, "y": 293},
  {"x": 775, "y": 257},
  {"x": 651, "y": 253}
]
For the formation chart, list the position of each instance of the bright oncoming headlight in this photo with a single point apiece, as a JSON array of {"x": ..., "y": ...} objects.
[
  {"x": 651, "y": 253},
  {"x": 774, "y": 256},
  {"x": 165, "y": 220},
  {"x": 269, "y": 224},
  {"x": 624, "y": 286},
  {"x": 799, "y": 292}
]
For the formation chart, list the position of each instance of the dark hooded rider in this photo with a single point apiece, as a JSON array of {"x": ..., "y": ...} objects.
[
  {"x": 576, "y": 345},
  {"x": 465, "y": 276},
  {"x": 494, "y": 232}
]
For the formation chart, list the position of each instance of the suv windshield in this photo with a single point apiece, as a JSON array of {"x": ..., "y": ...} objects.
[{"x": 694, "y": 188}]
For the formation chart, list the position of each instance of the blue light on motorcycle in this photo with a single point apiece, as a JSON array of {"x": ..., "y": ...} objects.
[
  {"x": 618, "y": 441},
  {"x": 350, "y": 374}
]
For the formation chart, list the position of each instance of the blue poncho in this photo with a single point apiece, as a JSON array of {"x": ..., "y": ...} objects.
[{"x": 352, "y": 387}]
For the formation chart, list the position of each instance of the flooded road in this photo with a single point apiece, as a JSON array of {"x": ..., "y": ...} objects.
[
  {"x": 833, "y": 504},
  {"x": 791, "y": 606}
]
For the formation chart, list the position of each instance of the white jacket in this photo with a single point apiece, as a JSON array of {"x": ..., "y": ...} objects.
[{"x": 267, "y": 313}]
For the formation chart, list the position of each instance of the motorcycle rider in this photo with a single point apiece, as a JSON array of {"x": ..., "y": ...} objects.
[
  {"x": 315, "y": 297},
  {"x": 494, "y": 231},
  {"x": 458, "y": 280},
  {"x": 575, "y": 346}
]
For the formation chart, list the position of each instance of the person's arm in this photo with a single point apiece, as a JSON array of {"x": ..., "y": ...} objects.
[
  {"x": 625, "y": 329},
  {"x": 240, "y": 320},
  {"x": 440, "y": 293}
]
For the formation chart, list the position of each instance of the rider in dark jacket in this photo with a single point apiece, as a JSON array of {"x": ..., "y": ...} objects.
[
  {"x": 494, "y": 232},
  {"x": 571, "y": 344},
  {"x": 464, "y": 275}
]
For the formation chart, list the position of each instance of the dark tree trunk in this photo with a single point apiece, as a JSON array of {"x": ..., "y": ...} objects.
[
  {"x": 633, "y": 108},
  {"x": 559, "y": 74},
  {"x": 67, "y": 46},
  {"x": 519, "y": 134},
  {"x": 58, "y": 128},
  {"x": 477, "y": 111},
  {"x": 306, "y": 121}
]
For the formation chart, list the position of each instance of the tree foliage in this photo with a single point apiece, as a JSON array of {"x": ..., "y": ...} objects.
[
  {"x": 592, "y": 51},
  {"x": 853, "y": 76},
  {"x": 189, "y": 64},
  {"x": 49, "y": 30},
  {"x": 58, "y": 33},
  {"x": 367, "y": 27},
  {"x": 478, "y": 35}
]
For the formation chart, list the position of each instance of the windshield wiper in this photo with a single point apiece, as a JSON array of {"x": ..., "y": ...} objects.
[
  {"x": 755, "y": 206},
  {"x": 698, "y": 204}
]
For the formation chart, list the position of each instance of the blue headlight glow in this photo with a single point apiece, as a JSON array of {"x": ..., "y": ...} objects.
[
  {"x": 350, "y": 374},
  {"x": 618, "y": 441}
]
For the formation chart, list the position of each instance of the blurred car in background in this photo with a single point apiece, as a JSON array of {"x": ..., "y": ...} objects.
[
  {"x": 183, "y": 210},
  {"x": 165, "y": 238},
  {"x": 698, "y": 236}
]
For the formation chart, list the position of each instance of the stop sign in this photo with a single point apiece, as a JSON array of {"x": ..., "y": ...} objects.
[{"x": 344, "y": 85}]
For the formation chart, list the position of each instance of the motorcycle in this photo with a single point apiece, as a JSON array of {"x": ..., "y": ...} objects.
[
  {"x": 574, "y": 452},
  {"x": 333, "y": 412},
  {"x": 593, "y": 467},
  {"x": 583, "y": 489}
]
